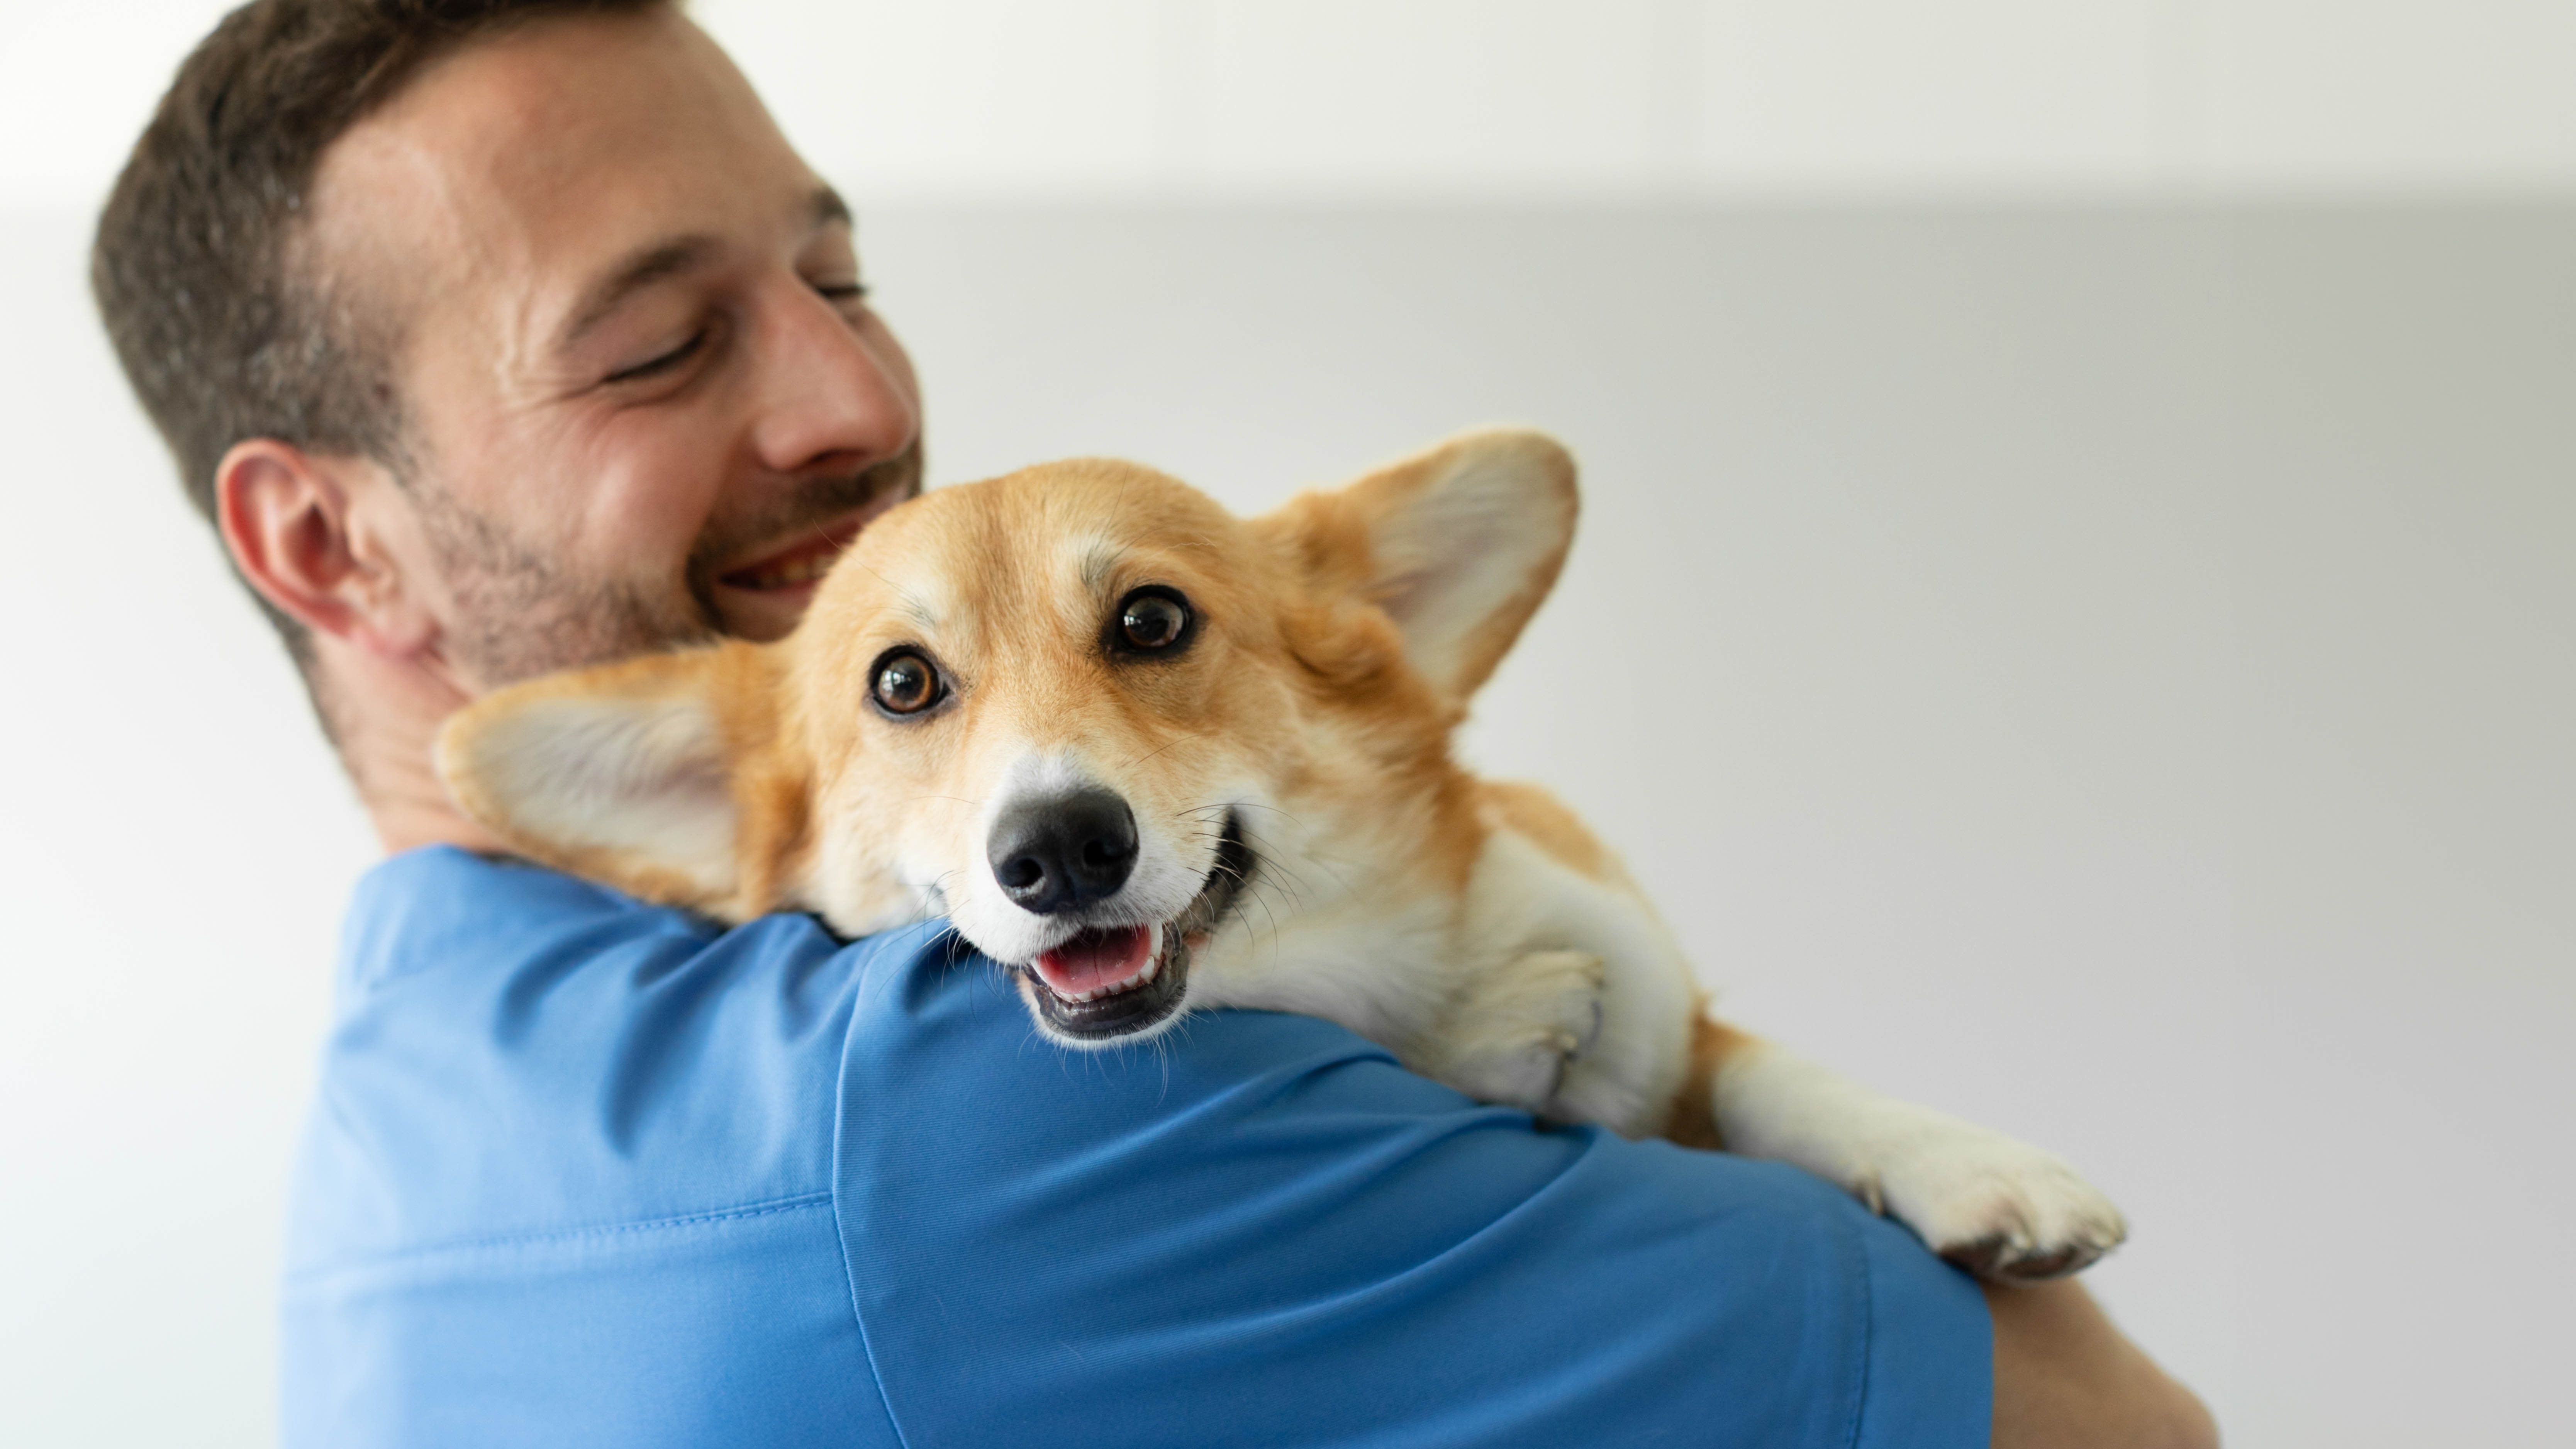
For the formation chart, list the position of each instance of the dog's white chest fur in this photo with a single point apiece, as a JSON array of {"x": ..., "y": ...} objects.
[{"x": 1536, "y": 986}]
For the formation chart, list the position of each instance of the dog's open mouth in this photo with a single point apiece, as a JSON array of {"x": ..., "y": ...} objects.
[{"x": 1107, "y": 982}]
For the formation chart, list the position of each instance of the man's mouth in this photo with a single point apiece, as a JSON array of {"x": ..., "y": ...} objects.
[
  {"x": 799, "y": 565},
  {"x": 1107, "y": 982}
]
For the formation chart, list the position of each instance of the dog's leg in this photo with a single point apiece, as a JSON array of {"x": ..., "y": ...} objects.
[
  {"x": 1996, "y": 1206},
  {"x": 1518, "y": 1027}
]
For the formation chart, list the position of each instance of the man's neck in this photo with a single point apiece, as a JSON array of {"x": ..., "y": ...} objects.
[{"x": 387, "y": 713}]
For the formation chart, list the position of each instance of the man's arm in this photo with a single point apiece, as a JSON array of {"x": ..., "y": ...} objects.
[{"x": 2064, "y": 1376}]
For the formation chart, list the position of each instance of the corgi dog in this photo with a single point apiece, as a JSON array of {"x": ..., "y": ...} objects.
[{"x": 1153, "y": 758}]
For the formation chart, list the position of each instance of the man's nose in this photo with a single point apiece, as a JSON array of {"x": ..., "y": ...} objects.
[{"x": 830, "y": 395}]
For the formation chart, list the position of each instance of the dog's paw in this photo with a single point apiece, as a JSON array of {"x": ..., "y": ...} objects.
[
  {"x": 1516, "y": 1034},
  {"x": 2000, "y": 1208}
]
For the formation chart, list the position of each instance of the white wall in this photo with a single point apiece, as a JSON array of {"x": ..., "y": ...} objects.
[
  {"x": 2105, "y": 669},
  {"x": 1001, "y": 98}
]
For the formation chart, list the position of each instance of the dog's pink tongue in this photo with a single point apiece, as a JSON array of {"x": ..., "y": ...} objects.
[{"x": 1095, "y": 959}]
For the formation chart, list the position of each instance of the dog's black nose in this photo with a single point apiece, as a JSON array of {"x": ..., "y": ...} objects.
[{"x": 1062, "y": 852}]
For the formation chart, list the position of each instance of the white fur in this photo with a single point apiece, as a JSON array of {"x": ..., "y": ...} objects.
[
  {"x": 1472, "y": 541},
  {"x": 1168, "y": 874},
  {"x": 1523, "y": 904},
  {"x": 1317, "y": 931},
  {"x": 1540, "y": 988},
  {"x": 642, "y": 776},
  {"x": 1956, "y": 1184}
]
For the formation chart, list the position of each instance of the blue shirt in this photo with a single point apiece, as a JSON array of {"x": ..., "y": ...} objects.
[{"x": 588, "y": 1172}]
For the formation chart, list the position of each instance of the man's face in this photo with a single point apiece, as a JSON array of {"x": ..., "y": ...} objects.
[{"x": 643, "y": 397}]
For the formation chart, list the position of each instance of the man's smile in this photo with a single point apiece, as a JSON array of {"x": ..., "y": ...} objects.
[
  {"x": 800, "y": 563},
  {"x": 762, "y": 591}
]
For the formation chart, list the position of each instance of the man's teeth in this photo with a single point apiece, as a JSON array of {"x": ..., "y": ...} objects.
[{"x": 789, "y": 575}]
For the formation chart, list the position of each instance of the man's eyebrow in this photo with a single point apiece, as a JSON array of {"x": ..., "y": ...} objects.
[{"x": 640, "y": 270}]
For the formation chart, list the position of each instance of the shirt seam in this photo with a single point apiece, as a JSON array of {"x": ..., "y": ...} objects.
[
  {"x": 799, "y": 1203},
  {"x": 1864, "y": 1292},
  {"x": 840, "y": 1222}
]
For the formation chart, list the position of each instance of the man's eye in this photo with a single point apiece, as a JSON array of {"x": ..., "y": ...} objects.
[
  {"x": 842, "y": 291},
  {"x": 663, "y": 363}
]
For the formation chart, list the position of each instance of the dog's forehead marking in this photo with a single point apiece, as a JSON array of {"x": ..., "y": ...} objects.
[
  {"x": 1097, "y": 557},
  {"x": 917, "y": 608},
  {"x": 917, "y": 596}
]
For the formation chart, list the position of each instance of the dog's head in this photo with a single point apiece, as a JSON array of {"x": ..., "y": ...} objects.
[{"x": 1062, "y": 708}]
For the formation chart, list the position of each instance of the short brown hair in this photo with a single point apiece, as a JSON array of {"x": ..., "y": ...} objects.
[{"x": 222, "y": 333}]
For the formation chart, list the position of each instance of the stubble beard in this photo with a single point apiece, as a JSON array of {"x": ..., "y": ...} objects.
[{"x": 519, "y": 613}]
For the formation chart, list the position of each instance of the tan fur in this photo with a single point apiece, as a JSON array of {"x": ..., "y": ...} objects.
[
  {"x": 767, "y": 777},
  {"x": 1694, "y": 1119},
  {"x": 1545, "y": 820},
  {"x": 1475, "y": 928}
]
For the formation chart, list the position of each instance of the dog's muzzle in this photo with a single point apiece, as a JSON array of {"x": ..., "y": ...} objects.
[{"x": 1107, "y": 982}]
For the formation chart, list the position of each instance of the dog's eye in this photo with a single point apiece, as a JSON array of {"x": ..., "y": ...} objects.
[
  {"x": 906, "y": 683},
  {"x": 1152, "y": 620}
]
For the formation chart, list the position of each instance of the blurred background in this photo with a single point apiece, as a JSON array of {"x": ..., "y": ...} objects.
[{"x": 2075, "y": 616}]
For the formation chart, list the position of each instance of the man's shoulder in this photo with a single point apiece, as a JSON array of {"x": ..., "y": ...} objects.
[
  {"x": 443, "y": 907},
  {"x": 1292, "y": 1238},
  {"x": 550, "y": 1114},
  {"x": 516, "y": 1053}
]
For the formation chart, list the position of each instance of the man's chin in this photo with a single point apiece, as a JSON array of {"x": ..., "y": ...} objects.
[{"x": 760, "y": 615}]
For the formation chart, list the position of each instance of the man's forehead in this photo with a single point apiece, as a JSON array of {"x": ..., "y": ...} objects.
[{"x": 526, "y": 162}]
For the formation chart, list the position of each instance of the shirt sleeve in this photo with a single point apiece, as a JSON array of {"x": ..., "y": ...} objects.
[
  {"x": 1267, "y": 1232},
  {"x": 567, "y": 1177}
]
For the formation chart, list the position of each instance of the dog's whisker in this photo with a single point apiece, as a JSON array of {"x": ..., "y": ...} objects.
[{"x": 1140, "y": 759}]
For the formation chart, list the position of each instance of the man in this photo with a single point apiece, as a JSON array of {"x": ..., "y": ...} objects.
[{"x": 497, "y": 337}]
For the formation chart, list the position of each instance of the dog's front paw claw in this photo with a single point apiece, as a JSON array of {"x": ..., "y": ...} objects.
[
  {"x": 2001, "y": 1209},
  {"x": 2002, "y": 1260}
]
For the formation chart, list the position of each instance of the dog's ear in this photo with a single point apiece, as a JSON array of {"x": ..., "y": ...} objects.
[
  {"x": 665, "y": 776},
  {"x": 1459, "y": 545}
]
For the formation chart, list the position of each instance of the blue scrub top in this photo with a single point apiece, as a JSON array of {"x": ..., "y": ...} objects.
[{"x": 588, "y": 1172}]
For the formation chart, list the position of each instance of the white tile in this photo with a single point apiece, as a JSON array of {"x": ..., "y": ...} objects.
[
  {"x": 1429, "y": 93},
  {"x": 1532, "y": 97},
  {"x": 1878, "y": 92},
  {"x": 962, "y": 95},
  {"x": 2394, "y": 93}
]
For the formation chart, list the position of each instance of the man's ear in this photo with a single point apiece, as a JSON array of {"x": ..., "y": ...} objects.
[
  {"x": 666, "y": 776},
  {"x": 1458, "y": 545},
  {"x": 291, "y": 521}
]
